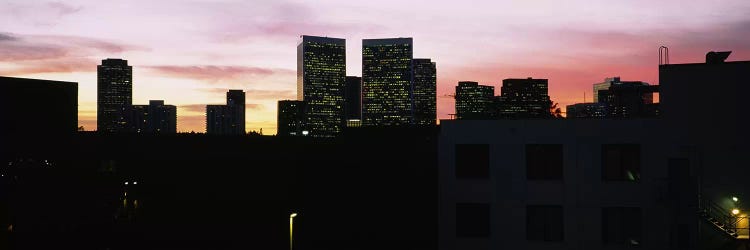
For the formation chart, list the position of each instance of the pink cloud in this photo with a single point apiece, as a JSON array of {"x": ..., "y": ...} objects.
[
  {"x": 215, "y": 73},
  {"x": 32, "y": 54}
]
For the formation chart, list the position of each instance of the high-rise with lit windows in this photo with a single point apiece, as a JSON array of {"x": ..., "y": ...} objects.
[
  {"x": 154, "y": 118},
  {"x": 114, "y": 95},
  {"x": 321, "y": 75},
  {"x": 474, "y": 101},
  {"x": 290, "y": 118},
  {"x": 387, "y": 82},
  {"x": 523, "y": 98},
  {"x": 424, "y": 98}
]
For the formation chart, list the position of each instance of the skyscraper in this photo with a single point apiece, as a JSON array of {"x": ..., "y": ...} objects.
[
  {"x": 425, "y": 84},
  {"x": 353, "y": 98},
  {"x": 227, "y": 119},
  {"x": 154, "y": 118},
  {"x": 524, "y": 98},
  {"x": 217, "y": 120},
  {"x": 290, "y": 118},
  {"x": 387, "y": 84},
  {"x": 236, "y": 109},
  {"x": 321, "y": 76},
  {"x": 114, "y": 95},
  {"x": 474, "y": 101}
]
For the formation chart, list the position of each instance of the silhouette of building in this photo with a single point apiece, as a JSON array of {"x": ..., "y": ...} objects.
[
  {"x": 290, "y": 118},
  {"x": 236, "y": 106},
  {"x": 155, "y": 118},
  {"x": 604, "y": 86},
  {"x": 40, "y": 107},
  {"x": 474, "y": 101},
  {"x": 523, "y": 98},
  {"x": 353, "y": 98},
  {"x": 587, "y": 110},
  {"x": 387, "y": 82},
  {"x": 425, "y": 85},
  {"x": 114, "y": 95},
  {"x": 614, "y": 98},
  {"x": 321, "y": 76},
  {"x": 227, "y": 119},
  {"x": 630, "y": 99}
]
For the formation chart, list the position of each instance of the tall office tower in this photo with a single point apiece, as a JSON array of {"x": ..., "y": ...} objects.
[
  {"x": 353, "y": 98},
  {"x": 114, "y": 95},
  {"x": 524, "y": 98},
  {"x": 155, "y": 118},
  {"x": 217, "y": 120},
  {"x": 321, "y": 76},
  {"x": 236, "y": 109},
  {"x": 387, "y": 82},
  {"x": 425, "y": 85},
  {"x": 474, "y": 101},
  {"x": 227, "y": 119},
  {"x": 290, "y": 118}
]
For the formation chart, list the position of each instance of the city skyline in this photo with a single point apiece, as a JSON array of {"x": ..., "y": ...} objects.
[{"x": 573, "y": 46}]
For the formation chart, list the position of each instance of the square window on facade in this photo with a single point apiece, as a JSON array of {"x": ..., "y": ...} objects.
[
  {"x": 472, "y": 161},
  {"x": 472, "y": 220},
  {"x": 544, "y": 161},
  {"x": 544, "y": 223},
  {"x": 622, "y": 226},
  {"x": 621, "y": 162}
]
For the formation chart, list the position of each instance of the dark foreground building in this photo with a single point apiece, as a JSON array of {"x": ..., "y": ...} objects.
[
  {"x": 34, "y": 106},
  {"x": 678, "y": 181}
]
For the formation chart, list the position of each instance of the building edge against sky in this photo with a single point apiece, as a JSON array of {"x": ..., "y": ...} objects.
[
  {"x": 387, "y": 82},
  {"x": 321, "y": 79}
]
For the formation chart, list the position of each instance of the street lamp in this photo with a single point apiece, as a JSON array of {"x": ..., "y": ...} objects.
[{"x": 291, "y": 225}]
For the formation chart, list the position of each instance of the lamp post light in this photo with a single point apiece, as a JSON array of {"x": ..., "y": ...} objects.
[{"x": 291, "y": 229}]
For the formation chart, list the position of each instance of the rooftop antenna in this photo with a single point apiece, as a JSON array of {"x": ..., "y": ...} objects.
[{"x": 663, "y": 55}]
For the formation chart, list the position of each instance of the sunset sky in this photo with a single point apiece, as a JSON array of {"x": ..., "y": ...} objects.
[{"x": 189, "y": 53}]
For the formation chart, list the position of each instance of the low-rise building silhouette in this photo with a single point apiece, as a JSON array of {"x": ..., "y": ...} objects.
[
  {"x": 614, "y": 98},
  {"x": 156, "y": 117},
  {"x": 291, "y": 118},
  {"x": 227, "y": 119}
]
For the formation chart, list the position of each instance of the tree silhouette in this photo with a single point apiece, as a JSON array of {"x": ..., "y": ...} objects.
[{"x": 554, "y": 110}]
